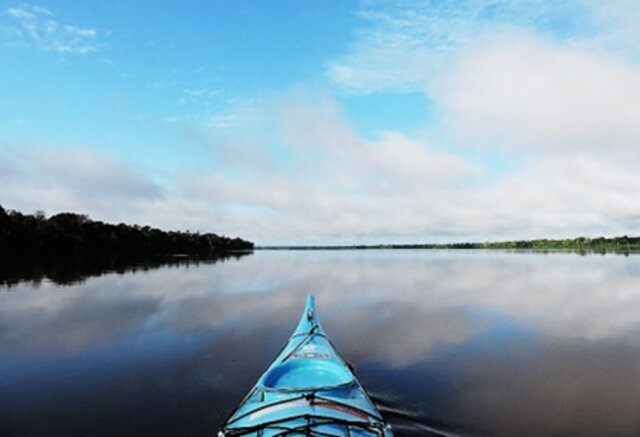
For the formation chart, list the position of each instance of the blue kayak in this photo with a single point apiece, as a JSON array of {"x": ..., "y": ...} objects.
[{"x": 308, "y": 390}]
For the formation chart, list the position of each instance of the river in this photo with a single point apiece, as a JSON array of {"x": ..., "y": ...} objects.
[{"x": 464, "y": 342}]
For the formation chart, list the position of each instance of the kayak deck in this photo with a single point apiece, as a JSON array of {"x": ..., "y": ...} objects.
[{"x": 308, "y": 390}]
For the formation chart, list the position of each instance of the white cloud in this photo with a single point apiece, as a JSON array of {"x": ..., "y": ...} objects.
[
  {"x": 300, "y": 173},
  {"x": 337, "y": 186},
  {"x": 570, "y": 112},
  {"x": 304, "y": 175},
  {"x": 76, "y": 180},
  {"x": 402, "y": 45},
  {"x": 517, "y": 90},
  {"x": 617, "y": 23},
  {"x": 323, "y": 179},
  {"x": 34, "y": 26},
  {"x": 558, "y": 196}
]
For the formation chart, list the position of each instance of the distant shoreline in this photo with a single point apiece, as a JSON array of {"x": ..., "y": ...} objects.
[{"x": 579, "y": 244}]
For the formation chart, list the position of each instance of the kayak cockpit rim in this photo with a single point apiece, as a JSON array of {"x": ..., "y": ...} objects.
[
  {"x": 369, "y": 415},
  {"x": 377, "y": 428}
]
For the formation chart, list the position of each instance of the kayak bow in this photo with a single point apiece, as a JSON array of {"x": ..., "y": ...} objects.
[{"x": 308, "y": 390}]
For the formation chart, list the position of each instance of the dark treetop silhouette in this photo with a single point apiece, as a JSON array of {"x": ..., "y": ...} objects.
[{"x": 33, "y": 246}]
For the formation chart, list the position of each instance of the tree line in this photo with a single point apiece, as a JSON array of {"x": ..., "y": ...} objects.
[
  {"x": 68, "y": 234},
  {"x": 580, "y": 244},
  {"x": 599, "y": 244}
]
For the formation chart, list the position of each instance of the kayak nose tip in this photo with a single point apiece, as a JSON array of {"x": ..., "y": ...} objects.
[
  {"x": 311, "y": 307},
  {"x": 309, "y": 318}
]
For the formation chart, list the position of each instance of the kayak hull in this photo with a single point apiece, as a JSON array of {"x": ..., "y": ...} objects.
[{"x": 309, "y": 389}]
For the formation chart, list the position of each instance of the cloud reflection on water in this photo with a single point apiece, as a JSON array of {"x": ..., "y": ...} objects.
[{"x": 501, "y": 343}]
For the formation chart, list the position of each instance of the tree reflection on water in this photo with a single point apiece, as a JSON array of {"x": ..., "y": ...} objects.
[{"x": 76, "y": 269}]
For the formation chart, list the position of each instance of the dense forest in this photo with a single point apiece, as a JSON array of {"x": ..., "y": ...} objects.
[
  {"x": 76, "y": 235},
  {"x": 580, "y": 244}
]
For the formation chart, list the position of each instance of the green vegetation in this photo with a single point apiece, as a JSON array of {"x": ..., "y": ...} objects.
[
  {"x": 74, "y": 235},
  {"x": 580, "y": 244},
  {"x": 600, "y": 244}
]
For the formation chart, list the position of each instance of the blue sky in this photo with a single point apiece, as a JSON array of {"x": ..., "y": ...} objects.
[{"x": 326, "y": 121}]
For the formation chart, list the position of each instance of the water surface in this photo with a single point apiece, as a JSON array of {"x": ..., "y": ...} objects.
[{"x": 466, "y": 342}]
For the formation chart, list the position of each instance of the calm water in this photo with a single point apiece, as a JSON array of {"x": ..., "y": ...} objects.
[{"x": 470, "y": 343}]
